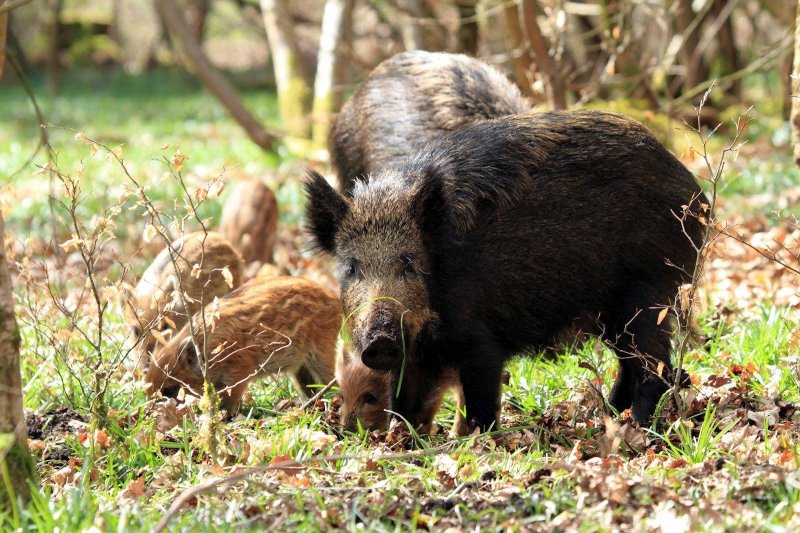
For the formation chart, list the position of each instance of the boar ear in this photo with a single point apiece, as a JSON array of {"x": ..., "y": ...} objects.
[
  {"x": 325, "y": 209},
  {"x": 427, "y": 206}
]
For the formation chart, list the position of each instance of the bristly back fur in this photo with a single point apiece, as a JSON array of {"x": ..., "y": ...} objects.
[{"x": 410, "y": 99}]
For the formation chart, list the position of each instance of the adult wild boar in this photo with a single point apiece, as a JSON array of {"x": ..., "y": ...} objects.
[
  {"x": 498, "y": 237},
  {"x": 410, "y": 99}
]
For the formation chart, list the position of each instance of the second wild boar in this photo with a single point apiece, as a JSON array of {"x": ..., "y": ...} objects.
[{"x": 410, "y": 99}]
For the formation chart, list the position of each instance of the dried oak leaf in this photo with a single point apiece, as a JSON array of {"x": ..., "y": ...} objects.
[{"x": 286, "y": 464}]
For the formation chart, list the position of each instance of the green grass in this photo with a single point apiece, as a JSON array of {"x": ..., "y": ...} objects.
[
  {"x": 552, "y": 464},
  {"x": 482, "y": 481},
  {"x": 141, "y": 114}
]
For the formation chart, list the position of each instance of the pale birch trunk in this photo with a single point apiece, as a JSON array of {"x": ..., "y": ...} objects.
[
  {"x": 291, "y": 74},
  {"x": 330, "y": 62}
]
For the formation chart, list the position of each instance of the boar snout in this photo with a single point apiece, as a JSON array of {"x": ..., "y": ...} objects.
[
  {"x": 382, "y": 353},
  {"x": 381, "y": 346}
]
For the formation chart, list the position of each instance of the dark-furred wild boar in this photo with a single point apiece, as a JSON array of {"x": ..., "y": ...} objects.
[
  {"x": 410, "y": 99},
  {"x": 499, "y": 237}
]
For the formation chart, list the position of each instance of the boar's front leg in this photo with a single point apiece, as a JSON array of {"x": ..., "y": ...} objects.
[
  {"x": 481, "y": 373},
  {"x": 416, "y": 399}
]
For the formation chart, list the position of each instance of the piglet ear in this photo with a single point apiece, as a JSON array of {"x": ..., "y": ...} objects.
[
  {"x": 325, "y": 210},
  {"x": 427, "y": 206}
]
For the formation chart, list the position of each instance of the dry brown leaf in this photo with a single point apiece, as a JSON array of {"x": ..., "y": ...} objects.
[
  {"x": 65, "y": 476},
  {"x": 169, "y": 413},
  {"x": 662, "y": 315},
  {"x": 135, "y": 489},
  {"x": 177, "y": 159},
  {"x": 36, "y": 444},
  {"x": 785, "y": 458},
  {"x": 286, "y": 464},
  {"x": 226, "y": 273},
  {"x": 298, "y": 481}
]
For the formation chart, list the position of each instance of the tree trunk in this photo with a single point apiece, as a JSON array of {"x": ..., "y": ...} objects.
[
  {"x": 696, "y": 70},
  {"x": 468, "y": 35},
  {"x": 291, "y": 74},
  {"x": 212, "y": 79},
  {"x": 411, "y": 29},
  {"x": 516, "y": 42},
  {"x": 198, "y": 12},
  {"x": 3, "y": 39},
  {"x": 557, "y": 92},
  {"x": 138, "y": 31},
  {"x": 16, "y": 466},
  {"x": 327, "y": 86},
  {"x": 53, "y": 32},
  {"x": 796, "y": 90}
]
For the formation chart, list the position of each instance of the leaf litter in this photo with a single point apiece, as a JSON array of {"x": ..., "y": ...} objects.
[{"x": 571, "y": 466}]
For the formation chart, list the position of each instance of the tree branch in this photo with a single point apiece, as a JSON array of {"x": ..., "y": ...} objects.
[
  {"x": 12, "y": 4},
  {"x": 212, "y": 79}
]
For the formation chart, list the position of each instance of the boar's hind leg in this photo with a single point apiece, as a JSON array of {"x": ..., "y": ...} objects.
[
  {"x": 643, "y": 349},
  {"x": 481, "y": 374}
]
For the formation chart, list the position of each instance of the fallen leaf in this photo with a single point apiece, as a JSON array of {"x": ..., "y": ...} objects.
[
  {"x": 286, "y": 464},
  {"x": 226, "y": 273},
  {"x": 662, "y": 315},
  {"x": 135, "y": 489}
]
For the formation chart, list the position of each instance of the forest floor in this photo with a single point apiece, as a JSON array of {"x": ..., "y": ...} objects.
[{"x": 558, "y": 462}]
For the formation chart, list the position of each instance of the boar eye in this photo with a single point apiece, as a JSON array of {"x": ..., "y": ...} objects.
[
  {"x": 137, "y": 332},
  {"x": 369, "y": 399},
  {"x": 351, "y": 269},
  {"x": 407, "y": 262}
]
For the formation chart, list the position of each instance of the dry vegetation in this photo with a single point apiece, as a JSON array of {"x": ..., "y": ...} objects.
[
  {"x": 89, "y": 215},
  {"x": 560, "y": 460}
]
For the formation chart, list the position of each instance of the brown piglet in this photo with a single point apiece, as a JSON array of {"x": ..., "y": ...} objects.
[
  {"x": 365, "y": 398},
  {"x": 198, "y": 269},
  {"x": 250, "y": 220},
  {"x": 267, "y": 326}
]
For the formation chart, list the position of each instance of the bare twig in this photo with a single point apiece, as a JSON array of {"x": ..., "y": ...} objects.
[
  {"x": 12, "y": 4},
  {"x": 711, "y": 228},
  {"x": 311, "y": 401}
]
